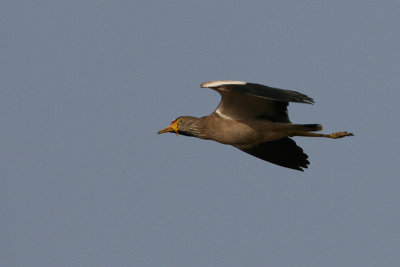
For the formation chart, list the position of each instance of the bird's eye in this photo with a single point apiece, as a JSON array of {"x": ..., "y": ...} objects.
[{"x": 180, "y": 121}]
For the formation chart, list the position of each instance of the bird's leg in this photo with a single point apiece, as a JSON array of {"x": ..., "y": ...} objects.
[{"x": 335, "y": 135}]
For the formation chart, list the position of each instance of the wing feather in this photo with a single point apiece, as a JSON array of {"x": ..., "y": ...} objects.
[
  {"x": 259, "y": 90},
  {"x": 283, "y": 152},
  {"x": 242, "y": 100}
]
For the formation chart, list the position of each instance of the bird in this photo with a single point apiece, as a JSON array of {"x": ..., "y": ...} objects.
[{"x": 254, "y": 118}]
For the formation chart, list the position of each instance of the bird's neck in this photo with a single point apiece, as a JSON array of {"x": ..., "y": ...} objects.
[{"x": 197, "y": 129}]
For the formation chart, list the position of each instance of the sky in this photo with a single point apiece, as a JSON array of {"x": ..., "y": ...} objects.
[{"x": 86, "y": 181}]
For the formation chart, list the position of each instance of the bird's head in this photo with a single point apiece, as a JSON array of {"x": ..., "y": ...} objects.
[{"x": 184, "y": 125}]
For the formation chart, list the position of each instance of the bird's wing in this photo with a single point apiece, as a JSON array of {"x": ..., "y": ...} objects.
[
  {"x": 242, "y": 100},
  {"x": 283, "y": 152}
]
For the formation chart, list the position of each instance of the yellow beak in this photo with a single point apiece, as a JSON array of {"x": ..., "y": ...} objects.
[{"x": 173, "y": 128}]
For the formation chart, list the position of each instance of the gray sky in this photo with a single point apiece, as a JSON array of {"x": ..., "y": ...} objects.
[{"x": 85, "y": 180}]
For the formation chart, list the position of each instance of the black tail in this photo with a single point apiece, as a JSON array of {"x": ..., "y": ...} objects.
[{"x": 308, "y": 127}]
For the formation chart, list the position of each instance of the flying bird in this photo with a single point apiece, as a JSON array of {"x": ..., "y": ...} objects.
[{"x": 254, "y": 118}]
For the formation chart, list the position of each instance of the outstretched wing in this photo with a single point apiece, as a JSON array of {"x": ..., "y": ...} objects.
[
  {"x": 242, "y": 100},
  {"x": 283, "y": 152}
]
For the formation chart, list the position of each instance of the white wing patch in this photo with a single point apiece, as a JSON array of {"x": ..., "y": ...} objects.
[
  {"x": 212, "y": 84},
  {"x": 222, "y": 115}
]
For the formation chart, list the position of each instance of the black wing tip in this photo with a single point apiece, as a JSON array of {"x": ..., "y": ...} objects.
[
  {"x": 283, "y": 152},
  {"x": 298, "y": 97},
  {"x": 308, "y": 100},
  {"x": 291, "y": 96},
  {"x": 300, "y": 166},
  {"x": 296, "y": 167}
]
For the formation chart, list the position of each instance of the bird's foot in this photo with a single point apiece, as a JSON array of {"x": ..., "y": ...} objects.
[{"x": 340, "y": 135}]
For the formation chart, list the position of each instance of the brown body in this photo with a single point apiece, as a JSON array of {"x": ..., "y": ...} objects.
[{"x": 243, "y": 132}]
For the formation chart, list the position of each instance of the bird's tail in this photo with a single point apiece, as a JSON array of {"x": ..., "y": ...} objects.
[{"x": 307, "y": 127}]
